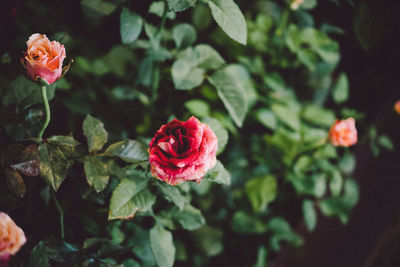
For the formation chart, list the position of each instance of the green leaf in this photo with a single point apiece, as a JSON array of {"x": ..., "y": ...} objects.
[
  {"x": 141, "y": 246},
  {"x": 173, "y": 194},
  {"x": 188, "y": 70},
  {"x": 185, "y": 76},
  {"x": 62, "y": 140},
  {"x": 53, "y": 164},
  {"x": 340, "y": 92},
  {"x": 366, "y": 28},
  {"x": 102, "y": 8},
  {"x": 24, "y": 93},
  {"x": 312, "y": 46},
  {"x": 14, "y": 182},
  {"x": 261, "y": 191},
  {"x": 95, "y": 133},
  {"x": 384, "y": 141},
  {"x": 267, "y": 118},
  {"x": 336, "y": 183},
  {"x": 244, "y": 223},
  {"x": 309, "y": 214},
  {"x": 229, "y": 17},
  {"x": 162, "y": 245},
  {"x": 129, "y": 197},
  {"x": 184, "y": 35},
  {"x": 131, "y": 26},
  {"x": 341, "y": 206},
  {"x": 128, "y": 150},
  {"x": 209, "y": 240},
  {"x": 190, "y": 218},
  {"x": 309, "y": 4},
  {"x": 242, "y": 77},
  {"x": 347, "y": 164},
  {"x": 218, "y": 174},
  {"x": 39, "y": 256},
  {"x": 180, "y": 5},
  {"x": 232, "y": 94},
  {"x": 220, "y": 132},
  {"x": 198, "y": 107},
  {"x": 118, "y": 59},
  {"x": 261, "y": 257},
  {"x": 302, "y": 165},
  {"x": 314, "y": 185},
  {"x": 288, "y": 115},
  {"x": 207, "y": 57},
  {"x": 281, "y": 231},
  {"x": 201, "y": 17},
  {"x": 202, "y": 56},
  {"x": 318, "y": 115},
  {"x": 145, "y": 73},
  {"x": 131, "y": 263},
  {"x": 327, "y": 151},
  {"x": 313, "y": 137},
  {"x": 157, "y": 8},
  {"x": 96, "y": 173},
  {"x": 61, "y": 251}
]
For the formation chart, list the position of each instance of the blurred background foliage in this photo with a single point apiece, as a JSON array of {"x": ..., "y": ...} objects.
[{"x": 270, "y": 80}]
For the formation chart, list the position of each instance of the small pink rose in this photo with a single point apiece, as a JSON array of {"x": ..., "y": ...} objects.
[
  {"x": 343, "y": 133},
  {"x": 12, "y": 238},
  {"x": 182, "y": 151},
  {"x": 44, "y": 59}
]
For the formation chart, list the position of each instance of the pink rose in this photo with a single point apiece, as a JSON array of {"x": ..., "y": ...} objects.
[
  {"x": 397, "y": 106},
  {"x": 343, "y": 133},
  {"x": 44, "y": 59},
  {"x": 183, "y": 151},
  {"x": 12, "y": 238}
]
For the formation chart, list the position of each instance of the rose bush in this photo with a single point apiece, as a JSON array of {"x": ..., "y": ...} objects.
[
  {"x": 183, "y": 151},
  {"x": 343, "y": 133},
  {"x": 260, "y": 74},
  {"x": 12, "y": 238},
  {"x": 44, "y": 58}
]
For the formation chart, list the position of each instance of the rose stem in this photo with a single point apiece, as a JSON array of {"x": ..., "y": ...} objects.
[
  {"x": 47, "y": 110},
  {"x": 60, "y": 210}
]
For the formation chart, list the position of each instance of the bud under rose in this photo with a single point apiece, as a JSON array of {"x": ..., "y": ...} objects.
[
  {"x": 182, "y": 151},
  {"x": 343, "y": 133},
  {"x": 12, "y": 238},
  {"x": 43, "y": 59},
  {"x": 397, "y": 106}
]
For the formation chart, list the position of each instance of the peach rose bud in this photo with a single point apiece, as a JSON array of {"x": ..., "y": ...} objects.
[
  {"x": 12, "y": 238},
  {"x": 343, "y": 133},
  {"x": 296, "y": 4},
  {"x": 43, "y": 59},
  {"x": 397, "y": 106}
]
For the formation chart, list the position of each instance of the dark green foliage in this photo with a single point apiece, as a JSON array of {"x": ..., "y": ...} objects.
[{"x": 261, "y": 75}]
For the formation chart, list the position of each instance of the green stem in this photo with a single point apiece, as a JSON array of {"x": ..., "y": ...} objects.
[
  {"x": 163, "y": 20},
  {"x": 47, "y": 110},
  {"x": 60, "y": 210}
]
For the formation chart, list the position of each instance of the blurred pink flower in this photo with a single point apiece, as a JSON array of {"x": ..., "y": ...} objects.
[
  {"x": 12, "y": 238},
  {"x": 343, "y": 133}
]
